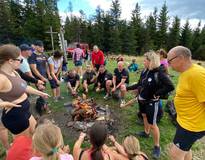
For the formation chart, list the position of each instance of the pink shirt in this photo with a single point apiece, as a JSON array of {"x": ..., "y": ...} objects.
[
  {"x": 164, "y": 62},
  {"x": 62, "y": 157}
]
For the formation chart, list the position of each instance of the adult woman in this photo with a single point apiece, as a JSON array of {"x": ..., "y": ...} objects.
[
  {"x": 130, "y": 148},
  {"x": 13, "y": 91},
  {"x": 98, "y": 151},
  {"x": 149, "y": 92},
  {"x": 55, "y": 65},
  {"x": 163, "y": 59}
]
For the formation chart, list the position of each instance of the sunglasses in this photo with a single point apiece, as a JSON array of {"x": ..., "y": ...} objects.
[{"x": 20, "y": 60}]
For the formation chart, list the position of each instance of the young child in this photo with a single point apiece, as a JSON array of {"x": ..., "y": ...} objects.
[
  {"x": 133, "y": 66},
  {"x": 48, "y": 142}
]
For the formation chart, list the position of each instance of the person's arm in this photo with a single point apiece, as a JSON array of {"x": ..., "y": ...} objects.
[
  {"x": 26, "y": 77},
  {"x": 122, "y": 82},
  {"x": 69, "y": 86},
  {"x": 31, "y": 90},
  {"x": 167, "y": 86},
  {"x": 51, "y": 66},
  {"x": 36, "y": 72},
  {"x": 59, "y": 70},
  {"x": 77, "y": 146},
  {"x": 77, "y": 85},
  {"x": 119, "y": 147}
]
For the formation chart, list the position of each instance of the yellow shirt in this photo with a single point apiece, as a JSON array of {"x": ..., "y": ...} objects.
[{"x": 190, "y": 99}]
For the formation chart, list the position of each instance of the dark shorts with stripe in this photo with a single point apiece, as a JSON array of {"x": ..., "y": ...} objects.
[
  {"x": 150, "y": 108},
  {"x": 184, "y": 139}
]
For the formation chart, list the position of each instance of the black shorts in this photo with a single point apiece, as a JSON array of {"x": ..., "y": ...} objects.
[
  {"x": 184, "y": 139},
  {"x": 17, "y": 119},
  {"x": 53, "y": 83},
  {"x": 151, "y": 109}
]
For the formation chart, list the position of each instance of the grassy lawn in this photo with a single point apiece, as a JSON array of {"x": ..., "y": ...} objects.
[{"x": 127, "y": 116}]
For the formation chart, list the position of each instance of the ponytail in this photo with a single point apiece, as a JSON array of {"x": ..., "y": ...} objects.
[{"x": 97, "y": 154}]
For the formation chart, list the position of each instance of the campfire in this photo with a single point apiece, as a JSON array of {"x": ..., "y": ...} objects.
[{"x": 85, "y": 112}]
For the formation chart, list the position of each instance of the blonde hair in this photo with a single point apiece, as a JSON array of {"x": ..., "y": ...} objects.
[
  {"x": 153, "y": 58},
  {"x": 132, "y": 147},
  {"x": 47, "y": 140}
]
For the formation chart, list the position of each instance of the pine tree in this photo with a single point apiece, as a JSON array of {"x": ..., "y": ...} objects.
[
  {"x": 196, "y": 39},
  {"x": 115, "y": 13},
  {"x": 5, "y": 23},
  {"x": 136, "y": 24},
  {"x": 162, "y": 26},
  {"x": 186, "y": 36},
  {"x": 174, "y": 34}
]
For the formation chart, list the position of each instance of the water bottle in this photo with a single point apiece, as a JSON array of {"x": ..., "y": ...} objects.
[{"x": 107, "y": 113}]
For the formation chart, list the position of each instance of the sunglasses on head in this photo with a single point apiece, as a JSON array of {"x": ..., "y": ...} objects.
[{"x": 20, "y": 60}]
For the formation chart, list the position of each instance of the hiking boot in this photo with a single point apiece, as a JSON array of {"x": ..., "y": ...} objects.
[
  {"x": 156, "y": 152},
  {"x": 107, "y": 96},
  {"x": 142, "y": 134}
]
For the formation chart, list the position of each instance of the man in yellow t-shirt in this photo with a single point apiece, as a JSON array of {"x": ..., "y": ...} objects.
[{"x": 189, "y": 102}]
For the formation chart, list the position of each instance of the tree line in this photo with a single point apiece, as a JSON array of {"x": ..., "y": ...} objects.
[{"x": 29, "y": 20}]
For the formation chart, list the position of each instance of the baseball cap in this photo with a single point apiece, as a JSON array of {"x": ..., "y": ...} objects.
[{"x": 25, "y": 47}]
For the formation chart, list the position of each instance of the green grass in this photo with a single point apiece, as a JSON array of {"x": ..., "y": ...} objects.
[{"x": 127, "y": 116}]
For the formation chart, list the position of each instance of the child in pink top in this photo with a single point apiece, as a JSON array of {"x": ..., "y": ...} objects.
[{"x": 48, "y": 142}]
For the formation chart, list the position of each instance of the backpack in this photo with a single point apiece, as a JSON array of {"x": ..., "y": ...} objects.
[
  {"x": 170, "y": 108},
  {"x": 156, "y": 77},
  {"x": 41, "y": 106}
]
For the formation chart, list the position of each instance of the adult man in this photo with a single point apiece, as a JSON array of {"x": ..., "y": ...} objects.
[
  {"x": 89, "y": 77},
  {"x": 104, "y": 78},
  {"x": 40, "y": 70},
  {"x": 97, "y": 58},
  {"x": 73, "y": 82},
  {"x": 120, "y": 80},
  {"x": 189, "y": 102},
  {"x": 26, "y": 52},
  {"x": 38, "y": 62}
]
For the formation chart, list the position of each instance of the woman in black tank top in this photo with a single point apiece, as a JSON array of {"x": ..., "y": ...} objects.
[{"x": 13, "y": 92}]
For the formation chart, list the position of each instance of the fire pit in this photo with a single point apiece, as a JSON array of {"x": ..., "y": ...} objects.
[{"x": 85, "y": 112}]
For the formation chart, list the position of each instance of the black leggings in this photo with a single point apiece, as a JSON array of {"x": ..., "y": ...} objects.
[{"x": 17, "y": 119}]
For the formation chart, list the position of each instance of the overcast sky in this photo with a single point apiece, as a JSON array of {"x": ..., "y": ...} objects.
[{"x": 194, "y": 10}]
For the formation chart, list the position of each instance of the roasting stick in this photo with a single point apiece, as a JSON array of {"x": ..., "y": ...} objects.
[{"x": 132, "y": 101}]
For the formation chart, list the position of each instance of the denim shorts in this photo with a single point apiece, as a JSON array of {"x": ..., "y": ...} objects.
[{"x": 78, "y": 63}]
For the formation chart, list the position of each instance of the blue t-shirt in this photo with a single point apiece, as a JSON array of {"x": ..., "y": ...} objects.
[{"x": 40, "y": 60}]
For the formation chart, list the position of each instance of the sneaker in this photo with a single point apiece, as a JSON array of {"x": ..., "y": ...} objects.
[
  {"x": 142, "y": 134},
  {"x": 156, "y": 152},
  {"x": 107, "y": 96},
  {"x": 55, "y": 99},
  {"x": 122, "y": 103},
  {"x": 60, "y": 98}
]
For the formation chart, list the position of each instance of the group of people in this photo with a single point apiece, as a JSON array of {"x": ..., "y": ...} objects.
[{"x": 32, "y": 65}]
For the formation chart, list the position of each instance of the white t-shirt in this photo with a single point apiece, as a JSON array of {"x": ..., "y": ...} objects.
[{"x": 55, "y": 62}]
